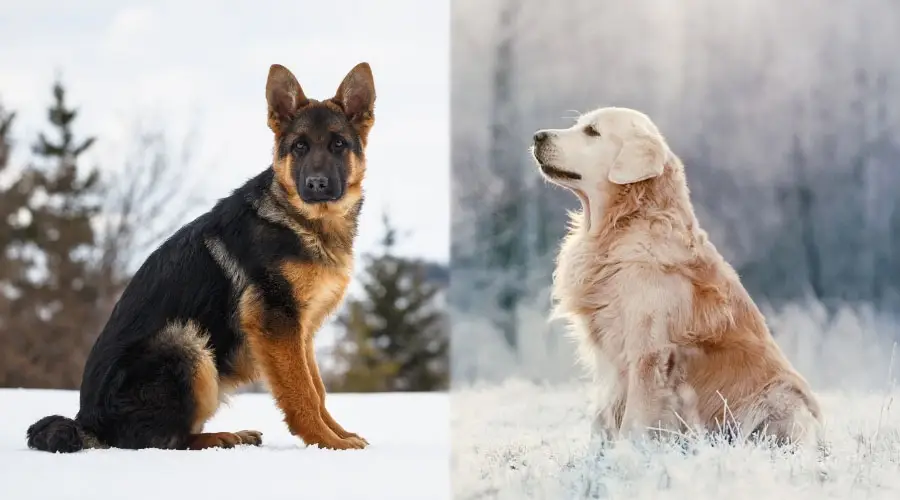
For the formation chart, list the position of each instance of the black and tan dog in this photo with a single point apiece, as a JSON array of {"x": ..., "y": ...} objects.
[{"x": 237, "y": 294}]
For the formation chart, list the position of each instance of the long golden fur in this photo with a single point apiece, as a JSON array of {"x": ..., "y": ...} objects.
[{"x": 668, "y": 331}]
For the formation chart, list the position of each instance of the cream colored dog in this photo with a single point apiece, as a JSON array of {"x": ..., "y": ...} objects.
[{"x": 664, "y": 323}]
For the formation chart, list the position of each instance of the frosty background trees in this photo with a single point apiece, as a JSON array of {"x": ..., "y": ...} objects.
[{"x": 786, "y": 114}]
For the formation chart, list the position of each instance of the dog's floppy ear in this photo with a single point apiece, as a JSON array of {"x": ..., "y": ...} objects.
[
  {"x": 643, "y": 156},
  {"x": 284, "y": 95},
  {"x": 356, "y": 96}
]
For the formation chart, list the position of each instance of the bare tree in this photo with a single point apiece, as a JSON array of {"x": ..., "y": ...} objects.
[{"x": 145, "y": 201}]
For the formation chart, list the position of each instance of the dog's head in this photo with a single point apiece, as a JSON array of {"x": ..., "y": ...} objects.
[
  {"x": 320, "y": 145},
  {"x": 607, "y": 146}
]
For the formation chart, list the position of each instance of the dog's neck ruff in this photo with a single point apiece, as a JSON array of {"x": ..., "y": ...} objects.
[{"x": 594, "y": 209}]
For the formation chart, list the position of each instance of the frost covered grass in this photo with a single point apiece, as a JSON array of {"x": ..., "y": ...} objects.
[
  {"x": 407, "y": 458},
  {"x": 521, "y": 440},
  {"x": 522, "y": 429}
]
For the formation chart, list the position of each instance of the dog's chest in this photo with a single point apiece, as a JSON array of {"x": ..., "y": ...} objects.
[
  {"x": 318, "y": 291},
  {"x": 584, "y": 291},
  {"x": 328, "y": 294}
]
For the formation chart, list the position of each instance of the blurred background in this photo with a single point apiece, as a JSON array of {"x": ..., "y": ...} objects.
[
  {"x": 786, "y": 115},
  {"x": 120, "y": 121}
]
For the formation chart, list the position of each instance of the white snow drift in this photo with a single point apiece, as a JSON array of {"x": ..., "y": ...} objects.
[{"x": 407, "y": 459}]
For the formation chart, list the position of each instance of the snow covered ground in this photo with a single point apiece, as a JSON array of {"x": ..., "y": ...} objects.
[
  {"x": 407, "y": 459},
  {"x": 518, "y": 440}
]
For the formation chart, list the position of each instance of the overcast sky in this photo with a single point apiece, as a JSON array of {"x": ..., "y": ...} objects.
[{"x": 202, "y": 65}]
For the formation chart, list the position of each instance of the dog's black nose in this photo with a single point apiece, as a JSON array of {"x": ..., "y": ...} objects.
[
  {"x": 318, "y": 188},
  {"x": 540, "y": 136},
  {"x": 317, "y": 183}
]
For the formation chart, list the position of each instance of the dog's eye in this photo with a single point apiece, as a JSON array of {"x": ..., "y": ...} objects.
[
  {"x": 338, "y": 144},
  {"x": 301, "y": 147},
  {"x": 591, "y": 131}
]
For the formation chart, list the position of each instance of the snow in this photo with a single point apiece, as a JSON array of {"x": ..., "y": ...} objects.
[
  {"x": 407, "y": 459},
  {"x": 519, "y": 440}
]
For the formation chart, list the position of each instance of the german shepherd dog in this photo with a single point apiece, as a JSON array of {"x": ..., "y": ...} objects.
[{"x": 237, "y": 294}]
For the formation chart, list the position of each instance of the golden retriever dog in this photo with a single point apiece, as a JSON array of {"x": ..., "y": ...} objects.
[{"x": 670, "y": 334}]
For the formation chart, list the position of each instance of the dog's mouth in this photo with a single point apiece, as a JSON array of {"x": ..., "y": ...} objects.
[
  {"x": 558, "y": 173},
  {"x": 544, "y": 157},
  {"x": 319, "y": 199},
  {"x": 564, "y": 179}
]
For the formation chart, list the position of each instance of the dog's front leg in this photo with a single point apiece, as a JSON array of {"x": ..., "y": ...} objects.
[
  {"x": 609, "y": 405},
  {"x": 320, "y": 389},
  {"x": 651, "y": 401},
  {"x": 280, "y": 346},
  {"x": 608, "y": 416}
]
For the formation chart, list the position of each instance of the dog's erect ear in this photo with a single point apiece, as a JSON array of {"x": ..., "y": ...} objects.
[
  {"x": 284, "y": 96},
  {"x": 643, "y": 156},
  {"x": 356, "y": 96}
]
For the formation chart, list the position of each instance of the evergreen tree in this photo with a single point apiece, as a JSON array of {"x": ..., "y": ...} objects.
[
  {"x": 395, "y": 336},
  {"x": 48, "y": 242},
  {"x": 10, "y": 203},
  {"x": 64, "y": 218}
]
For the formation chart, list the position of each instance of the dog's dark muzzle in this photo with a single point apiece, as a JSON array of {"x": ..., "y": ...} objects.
[{"x": 320, "y": 188}]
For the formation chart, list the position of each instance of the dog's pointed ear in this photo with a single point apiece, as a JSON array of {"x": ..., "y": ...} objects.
[
  {"x": 356, "y": 96},
  {"x": 284, "y": 96},
  {"x": 643, "y": 156}
]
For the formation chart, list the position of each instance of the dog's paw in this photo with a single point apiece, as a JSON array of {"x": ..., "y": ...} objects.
[
  {"x": 348, "y": 443},
  {"x": 358, "y": 442},
  {"x": 224, "y": 439},
  {"x": 354, "y": 435},
  {"x": 253, "y": 438}
]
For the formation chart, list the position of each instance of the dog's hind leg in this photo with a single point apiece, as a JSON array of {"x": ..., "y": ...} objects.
[
  {"x": 223, "y": 439},
  {"x": 787, "y": 414},
  {"x": 164, "y": 396},
  {"x": 207, "y": 396}
]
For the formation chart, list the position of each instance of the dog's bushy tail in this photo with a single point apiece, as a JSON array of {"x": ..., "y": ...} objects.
[{"x": 58, "y": 434}]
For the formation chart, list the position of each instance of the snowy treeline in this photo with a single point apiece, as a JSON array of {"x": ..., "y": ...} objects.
[{"x": 786, "y": 114}]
